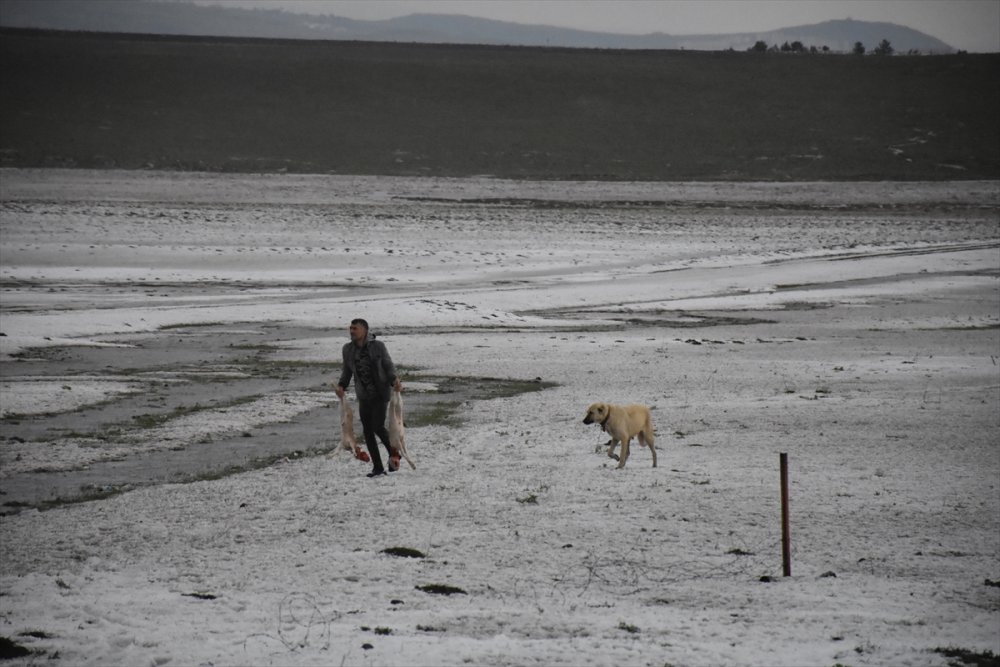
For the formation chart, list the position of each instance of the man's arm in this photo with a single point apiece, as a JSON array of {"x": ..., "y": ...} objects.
[{"x": 390, "y": 370}]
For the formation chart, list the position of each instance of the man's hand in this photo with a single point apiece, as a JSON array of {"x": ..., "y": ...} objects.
[
  {"x": 398, "y": 386},
  {"x": 339, "y": 391}
]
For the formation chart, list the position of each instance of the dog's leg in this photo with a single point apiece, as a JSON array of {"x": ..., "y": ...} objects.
[
  {"x": 647, "y": 440},
  {"x": 624, "y": 457},
  {"x": 612, "y": 443}
]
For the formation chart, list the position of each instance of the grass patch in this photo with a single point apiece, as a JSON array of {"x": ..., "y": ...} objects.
[
  {"x": 292, "y": 364},
  {"x": 441, "y": 589},
  {"x": 200, "y": 595},
  {"x": 497, "y": 388},
  {"x": 192, "y": 325},
  {"x": 88, "y": 493},
  {"x": 404, "y": 552},
  {"x": 148, "y": 420},
  {"x": 283, "y": 370},
  {"x": 960, "y": 657},
  {"x": 257, "y": 464},
  {"x": 446, "y": 412},
  {"x": 971, "y": 327},
  {"x": 16, "y": 504},
  {"x": 441, "y": 414},
  {"x": 429, "y": 628},
  {"x": 15, "y": 418},
  {"x": 9, "y": 649},
  {"x": 153, "y": 420}
]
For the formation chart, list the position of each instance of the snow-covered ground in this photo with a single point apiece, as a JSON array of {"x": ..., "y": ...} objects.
[{"x": 855, "y": 327}]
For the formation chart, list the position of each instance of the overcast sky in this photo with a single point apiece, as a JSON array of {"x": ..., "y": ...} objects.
[{"x": 973, "y": 25}]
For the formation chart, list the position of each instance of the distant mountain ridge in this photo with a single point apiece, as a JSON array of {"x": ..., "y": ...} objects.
[{"x": 184, "y": 18}]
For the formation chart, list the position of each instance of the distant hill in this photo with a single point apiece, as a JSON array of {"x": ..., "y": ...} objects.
[{"x": 168, "y": 17}]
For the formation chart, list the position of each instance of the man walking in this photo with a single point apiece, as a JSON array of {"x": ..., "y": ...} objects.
[{"x": 368, "y": 362}]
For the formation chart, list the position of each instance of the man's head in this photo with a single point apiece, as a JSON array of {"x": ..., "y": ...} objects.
[{"x": 359, "y": 330}]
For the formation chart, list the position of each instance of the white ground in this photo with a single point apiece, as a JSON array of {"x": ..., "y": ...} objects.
[{"x": 878, "y": 377}]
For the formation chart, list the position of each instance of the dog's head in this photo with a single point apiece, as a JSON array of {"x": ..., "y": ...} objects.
[{"x": 596, "y": 413}]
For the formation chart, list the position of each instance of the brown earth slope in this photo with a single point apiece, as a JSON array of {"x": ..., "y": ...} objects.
[{"x": 93, "y": 100}]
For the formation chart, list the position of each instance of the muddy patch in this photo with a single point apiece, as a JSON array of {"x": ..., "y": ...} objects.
[
  {"x": 668, "y": 319},
  {"x": 211, "y": 401}
]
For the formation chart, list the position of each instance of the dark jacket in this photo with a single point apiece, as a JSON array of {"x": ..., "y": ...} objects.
[{"x": 383, "y": 371}]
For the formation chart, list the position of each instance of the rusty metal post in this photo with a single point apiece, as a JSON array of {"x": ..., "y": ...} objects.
[{"x": 786, "y": 540}]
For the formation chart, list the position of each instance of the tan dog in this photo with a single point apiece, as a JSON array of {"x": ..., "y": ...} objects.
[
  {"x": 622, "y": 423},
  {"x": 347, "y": 439},
  {"x": 397, "y": 434}
]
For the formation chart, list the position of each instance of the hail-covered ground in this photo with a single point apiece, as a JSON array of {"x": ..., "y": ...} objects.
[{"x": 853, "y": 326}]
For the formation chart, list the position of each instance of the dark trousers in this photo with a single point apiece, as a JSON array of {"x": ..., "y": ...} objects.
[{"x": 372, "y": 413}]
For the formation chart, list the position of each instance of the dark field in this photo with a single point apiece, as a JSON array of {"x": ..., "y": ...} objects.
[{"x": 101, "y": 101}]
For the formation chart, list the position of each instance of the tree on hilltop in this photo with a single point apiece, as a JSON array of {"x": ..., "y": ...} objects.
[{"x": 884, "y": 48}]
